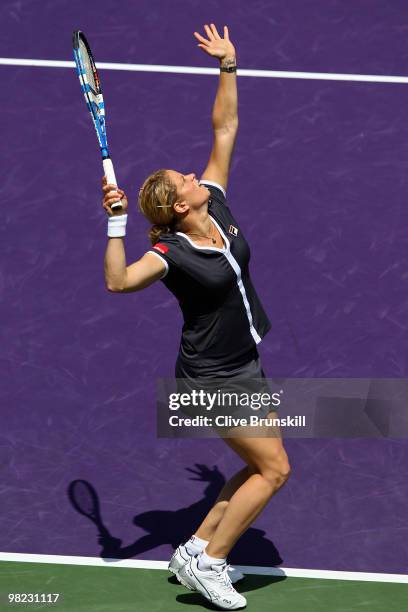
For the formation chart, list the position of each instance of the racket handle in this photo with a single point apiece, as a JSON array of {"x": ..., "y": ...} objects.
[{"x": 111, "y": 178}]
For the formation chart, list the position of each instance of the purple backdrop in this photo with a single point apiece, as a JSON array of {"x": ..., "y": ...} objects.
[{"x": 318, "y": 181}]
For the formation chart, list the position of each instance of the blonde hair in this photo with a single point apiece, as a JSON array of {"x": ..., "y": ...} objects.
[{"x": 156, "y": 199}]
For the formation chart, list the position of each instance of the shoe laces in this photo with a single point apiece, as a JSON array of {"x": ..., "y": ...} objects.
[{"x": 223, "y": 577}]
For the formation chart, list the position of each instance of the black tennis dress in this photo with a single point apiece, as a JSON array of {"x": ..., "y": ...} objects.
[{"x": 223, "y": 317}]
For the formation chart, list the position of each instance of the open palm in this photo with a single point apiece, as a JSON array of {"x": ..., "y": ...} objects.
[{"x": 214, "y": 45}]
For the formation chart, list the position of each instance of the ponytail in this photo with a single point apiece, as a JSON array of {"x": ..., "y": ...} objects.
[{"x": 156, "y": 231}]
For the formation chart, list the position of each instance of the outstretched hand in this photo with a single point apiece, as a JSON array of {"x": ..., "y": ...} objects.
[{"x": 214, "y": 45}]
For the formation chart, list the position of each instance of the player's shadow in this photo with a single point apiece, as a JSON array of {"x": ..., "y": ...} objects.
[{"x": 174, "y": 527}]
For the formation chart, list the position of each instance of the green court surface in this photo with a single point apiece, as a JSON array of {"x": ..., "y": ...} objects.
[{"x": 100, "y": 589}]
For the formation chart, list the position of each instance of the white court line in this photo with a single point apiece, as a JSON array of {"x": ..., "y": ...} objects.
[
  {"x": 246, "y": 569},
  {"x": 271, "y": 74}
]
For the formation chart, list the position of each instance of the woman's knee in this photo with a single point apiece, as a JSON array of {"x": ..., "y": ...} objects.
[
  {"x": 276, "y": 468},
  {"x": 265, "y": 457}
]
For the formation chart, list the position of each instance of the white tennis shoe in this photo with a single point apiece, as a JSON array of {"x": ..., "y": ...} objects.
[
  {"x": 213, "y": 584},
  {"x": 181, "y": 557}
]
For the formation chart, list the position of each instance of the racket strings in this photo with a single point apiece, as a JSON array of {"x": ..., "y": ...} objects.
[
  {"x": 90, "y": 74},
  {"x": 91, "y": 88}
]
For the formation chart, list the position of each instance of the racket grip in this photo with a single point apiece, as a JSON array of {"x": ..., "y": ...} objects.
[{"x": 111, "y": 178}]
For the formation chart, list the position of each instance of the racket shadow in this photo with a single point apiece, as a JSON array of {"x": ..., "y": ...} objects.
[
  {"x": 172, "y": 527},
  {"x": 85, "y": 500}
]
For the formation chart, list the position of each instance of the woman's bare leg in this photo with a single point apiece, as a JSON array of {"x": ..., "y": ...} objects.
[
  {"x": 271, "y": 470},
  {"x": 211, "y": 521},
  {"x": 209, "y": 525}
]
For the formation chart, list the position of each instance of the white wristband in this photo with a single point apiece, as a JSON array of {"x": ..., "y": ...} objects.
[{"x": 117, "y": 226}]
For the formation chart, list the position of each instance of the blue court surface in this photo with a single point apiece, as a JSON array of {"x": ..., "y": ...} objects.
[{"x": 319, "y": 182}]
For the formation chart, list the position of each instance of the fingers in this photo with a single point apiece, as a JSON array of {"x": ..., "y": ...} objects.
[
  {"x": 113, "y": 197},
  {"x": 214, "y": 31},
  {"x": 106, "y": 188},
  {"x": 209, "y": 32},
  {"x": 212, "y": 34},
  {"x": 112, "y": 190},
  {"x": 110, "y": 202},
  {"x": 203, "y": 40}
]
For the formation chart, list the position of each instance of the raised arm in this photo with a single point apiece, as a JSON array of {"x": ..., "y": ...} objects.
[
  {"x": 225, "y": 110},
  {"x": 119, "y": 277}
]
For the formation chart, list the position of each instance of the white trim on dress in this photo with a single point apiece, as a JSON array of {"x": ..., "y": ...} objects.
[
  {"x": 161, "y": 259},
  {"x": 205, "y": 182}
]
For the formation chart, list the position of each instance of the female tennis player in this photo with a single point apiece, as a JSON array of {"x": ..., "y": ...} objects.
[{"x": 200, "y": 254}]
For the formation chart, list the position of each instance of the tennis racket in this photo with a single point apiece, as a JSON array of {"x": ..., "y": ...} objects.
[{"x": 91, "y": 88}]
